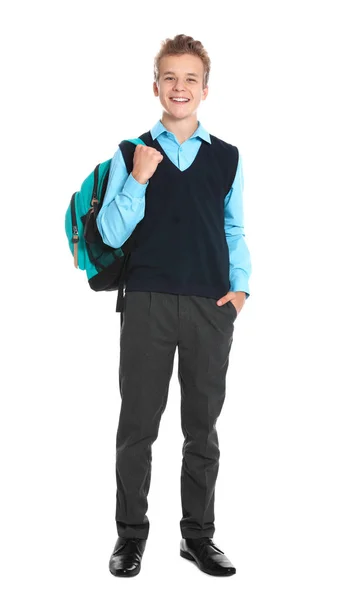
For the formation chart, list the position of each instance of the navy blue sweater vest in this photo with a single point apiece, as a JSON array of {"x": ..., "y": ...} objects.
[{"x": 180, "y": 244}]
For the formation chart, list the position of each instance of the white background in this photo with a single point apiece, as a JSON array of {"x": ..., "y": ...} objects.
[{"x": 77, "y": 79}]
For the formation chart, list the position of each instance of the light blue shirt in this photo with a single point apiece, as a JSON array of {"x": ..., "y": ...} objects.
[{"x": 124, "y": 202}]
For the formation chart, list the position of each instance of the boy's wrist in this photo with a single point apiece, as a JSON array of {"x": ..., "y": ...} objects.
[{"x": 138, "y": 177}]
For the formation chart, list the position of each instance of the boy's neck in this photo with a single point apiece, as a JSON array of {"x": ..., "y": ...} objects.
[{"x": 182, "y": 128}]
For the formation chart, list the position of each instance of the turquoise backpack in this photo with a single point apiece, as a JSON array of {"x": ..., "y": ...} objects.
[{"x": 105, "y": 266}]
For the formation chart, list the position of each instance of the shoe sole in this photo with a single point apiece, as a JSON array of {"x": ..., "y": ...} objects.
[{"x": 188, "y": 556}]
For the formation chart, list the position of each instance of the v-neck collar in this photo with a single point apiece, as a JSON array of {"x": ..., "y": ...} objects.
[{"x": 200, "y": 152}]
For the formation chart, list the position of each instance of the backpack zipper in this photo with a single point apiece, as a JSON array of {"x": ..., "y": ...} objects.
[
  {"x": 75, "y": 236},
  {"x": 94, "y": 199}
]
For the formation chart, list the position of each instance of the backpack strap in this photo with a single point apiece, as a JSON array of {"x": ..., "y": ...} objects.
[{"x": 128, "y": 148}]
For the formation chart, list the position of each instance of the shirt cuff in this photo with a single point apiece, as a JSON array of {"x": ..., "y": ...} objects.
[
  {"x": 133, "y": 188},
  {"x": 240, "y": 284}
]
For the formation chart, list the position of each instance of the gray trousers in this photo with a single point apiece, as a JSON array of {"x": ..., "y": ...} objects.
[{"x": 153, "y": 324}]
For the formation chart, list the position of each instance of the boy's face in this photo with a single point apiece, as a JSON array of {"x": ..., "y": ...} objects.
[{"x": 181, "y": 76}]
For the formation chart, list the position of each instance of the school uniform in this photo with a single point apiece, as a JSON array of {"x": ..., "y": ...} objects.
[{"x": 190, "y": 251}]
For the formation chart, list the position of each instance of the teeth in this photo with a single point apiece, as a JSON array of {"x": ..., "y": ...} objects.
[{"x": 180, "y": 99}]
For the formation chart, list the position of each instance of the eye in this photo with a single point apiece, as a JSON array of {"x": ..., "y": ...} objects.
[{"x": 189, "y": 79}]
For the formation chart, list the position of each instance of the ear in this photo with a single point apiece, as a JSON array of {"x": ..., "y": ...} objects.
[
  {"x": 155, "y": 89},
  {"x": 205, "y": 92}
]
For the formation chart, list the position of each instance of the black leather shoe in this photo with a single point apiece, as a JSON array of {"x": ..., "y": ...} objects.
[
  {"x": 208, "y": 557},
  {"x": 126, "y": 557}
]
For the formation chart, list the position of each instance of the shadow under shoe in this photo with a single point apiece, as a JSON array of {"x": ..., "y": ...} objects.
[
  {"x": 126, "y": 557},
  {"x": 207, "y": 556}
]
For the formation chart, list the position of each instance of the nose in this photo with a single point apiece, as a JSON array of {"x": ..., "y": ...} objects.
[{"x": 179, "y": 85}]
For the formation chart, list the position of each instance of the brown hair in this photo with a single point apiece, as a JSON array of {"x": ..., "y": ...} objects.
[{"x": 183, "y": 44}]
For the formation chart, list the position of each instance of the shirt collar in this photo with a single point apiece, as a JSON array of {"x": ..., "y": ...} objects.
[{"x": 160, "y": 128}]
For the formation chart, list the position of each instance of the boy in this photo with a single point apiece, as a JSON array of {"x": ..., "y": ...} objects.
[{"x": 186, "y": 283}]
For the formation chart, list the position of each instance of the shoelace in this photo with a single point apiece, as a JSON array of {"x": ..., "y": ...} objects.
[
  {"x": 129, "y": 542},
  {"x": 206, "y": 542}
]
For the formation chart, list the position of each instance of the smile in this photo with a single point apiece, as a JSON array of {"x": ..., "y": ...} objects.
[{"x": 180, "y": 101}]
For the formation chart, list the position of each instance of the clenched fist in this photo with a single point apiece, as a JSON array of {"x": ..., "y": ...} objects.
[{"x": 145, "y": 162}]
